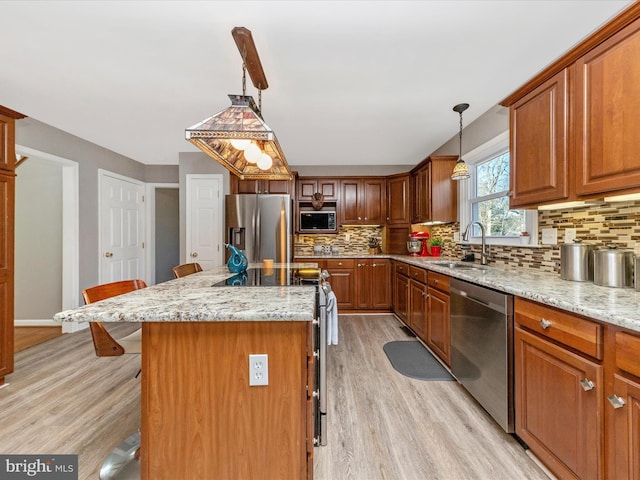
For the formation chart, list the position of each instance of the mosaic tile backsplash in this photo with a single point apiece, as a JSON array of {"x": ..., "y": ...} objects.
[{"x": 599, "y": 223}]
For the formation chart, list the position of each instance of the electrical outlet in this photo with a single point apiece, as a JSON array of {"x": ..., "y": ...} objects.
[
  {"x": 456, "y": 236},
  {"x": 258, "y": 370},
  {"x": 347, "y": 238},
  {"x": 549, "y": 236},
  {"x": 569, "y": 235}
]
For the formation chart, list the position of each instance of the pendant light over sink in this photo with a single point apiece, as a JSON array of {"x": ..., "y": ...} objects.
[
  {"x": 238, "y": 138},
  {"x": 460, "y": 170}
]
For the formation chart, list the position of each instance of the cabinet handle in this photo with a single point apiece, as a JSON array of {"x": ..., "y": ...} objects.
[
  {"x": 359, "y": 218},
  {"x": 425, "y": 294},
  {"x": 587, "y": 384},
  {"x": 374, "y": 265},
  {"x": 435, "y": 281},
  {"x": 340, "y": 263},
  {"x": 544, "y": 323},
  {"x": 615, "y": 401}
]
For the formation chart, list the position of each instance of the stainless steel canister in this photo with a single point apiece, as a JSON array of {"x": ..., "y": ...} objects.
[
  {"x": 576, "y": 261},
  {"x": 613, "y": 267}
]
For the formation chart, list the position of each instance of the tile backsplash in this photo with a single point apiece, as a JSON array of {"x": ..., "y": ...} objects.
[
  {"x": 357, "y": 243},
  {"x": 599, "y": 223}
]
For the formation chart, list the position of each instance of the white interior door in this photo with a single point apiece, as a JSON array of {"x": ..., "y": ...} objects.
[
  {"x": 204, "y": 229},
  {"x": 121, "y": 228}
]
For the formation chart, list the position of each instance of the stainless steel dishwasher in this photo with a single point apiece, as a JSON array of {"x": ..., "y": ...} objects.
[{"x": 482, "y": 347}]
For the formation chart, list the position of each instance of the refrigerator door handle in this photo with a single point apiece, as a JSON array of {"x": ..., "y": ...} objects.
[{"x": 258, "y": 233}]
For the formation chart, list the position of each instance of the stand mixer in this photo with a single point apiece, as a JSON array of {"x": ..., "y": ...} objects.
[{"x": 418, "y": 244}]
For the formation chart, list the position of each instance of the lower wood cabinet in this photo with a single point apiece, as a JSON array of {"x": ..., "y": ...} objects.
[
  {"x": 439, "y": 322},
  {"x": 343, "y": 282},
  {"x": 559, "y": 406},
  {"x": 418, "y": 308},
  {"x": 373, "y": 277},
  {"x": 401, "y": 291}
]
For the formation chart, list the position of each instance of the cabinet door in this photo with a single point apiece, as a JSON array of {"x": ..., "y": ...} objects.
[
  {"x": 363, "y": 289},
  {"x": 343, "y": 285},
  {"x": 373, "y": 206},
  {"x": 418, "y": 308},
  {"x": 329, "y": 187},
  {"x": 558, "y": 417},
  {"x": 420, "y": 195},
  {"x": 7, "y": 151},
  {"x": 539, "y": 144},
  {"x": 442, "y": 204},
  {"x": 439, "y": 326},
  {"x": 624, "y": 429},
  {"x": 398, "y": 200},
  {"x": 7, "y": 202},
  {"x": 607, "y": 116},
  {"x": 379, "y": 283},
  {"x": 350, "y": 193},
  {"x": 278, "y": 187},
  {"x": 401, "y": 297},
  {"x": 242, "y": 186}
]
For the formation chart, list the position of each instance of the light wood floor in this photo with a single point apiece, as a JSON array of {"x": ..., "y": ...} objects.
[
  {"x": 382, "y": 425},
  {"x": 25, "y": 337}
]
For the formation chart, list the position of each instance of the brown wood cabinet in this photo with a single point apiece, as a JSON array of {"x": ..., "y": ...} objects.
[
  {"x": 434, "y": 196},
  {"x": 306, "y": 187},
  {"x": 573, "y": 126},
  {"x": 607, "y": 117},
  {"x": 398, "y": 211},
  {"x": 539, "y": 162},
  {"x": 401, "y": 291},
  {"x": 343, "y": 281},
  {"x": 373, "y": 278},
  {"x": 362, "y": 201},
  {"x": 622, "y": 409},
  {"x": 280, "y": 187},
  {"x": 439, "y": 322},
  {"x": 7, "y": 217},
  {"x": 418, "y": 308}
]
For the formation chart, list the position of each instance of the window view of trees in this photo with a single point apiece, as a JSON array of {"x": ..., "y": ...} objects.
[{"x": 491, "y": 204}]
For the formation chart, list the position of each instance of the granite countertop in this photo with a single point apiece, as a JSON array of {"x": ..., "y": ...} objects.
[
  {"x": 193, "y": 299},
  {"x": 617, "y": 306}
]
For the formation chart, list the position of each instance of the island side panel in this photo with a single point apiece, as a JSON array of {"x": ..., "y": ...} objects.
[{"x": 200, "y": 417}]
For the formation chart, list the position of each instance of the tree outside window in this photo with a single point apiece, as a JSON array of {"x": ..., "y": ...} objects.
[{"x": 491, "y": 202}]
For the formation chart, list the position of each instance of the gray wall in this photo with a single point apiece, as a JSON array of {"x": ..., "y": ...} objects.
[
  {"x": 167, "y": 220},
  {"x": 487, "y": 126},
  {"x": 90, "y": 157},
  {"x": 351, "y": 170},
  {"x": 38, "y": 239}
]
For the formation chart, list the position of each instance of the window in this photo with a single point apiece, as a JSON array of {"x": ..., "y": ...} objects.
[{"x": 486, "y": 197}]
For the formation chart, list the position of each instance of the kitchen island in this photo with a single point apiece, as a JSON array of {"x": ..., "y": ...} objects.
[{"x": 200, "y": 417}]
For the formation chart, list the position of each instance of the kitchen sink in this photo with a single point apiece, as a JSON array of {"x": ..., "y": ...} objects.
[{"x": 460, "y": 265}]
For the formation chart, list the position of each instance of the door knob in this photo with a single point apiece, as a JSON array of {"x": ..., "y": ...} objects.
[
  {"x": 194, "y": 254},
  {"x": 108, "y": 254}
]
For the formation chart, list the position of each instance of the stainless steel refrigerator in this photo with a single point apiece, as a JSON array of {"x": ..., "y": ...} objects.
[{"x": 260, "y": 225}]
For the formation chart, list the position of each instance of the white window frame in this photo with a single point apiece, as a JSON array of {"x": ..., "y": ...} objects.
[{"x": 494, "y": 147}]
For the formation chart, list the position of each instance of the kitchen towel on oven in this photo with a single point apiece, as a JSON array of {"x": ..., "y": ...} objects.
[{"x": 332, "y": 319}]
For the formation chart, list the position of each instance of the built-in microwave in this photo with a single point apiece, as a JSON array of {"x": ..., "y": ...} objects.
[{"x": 317, "y": 221}]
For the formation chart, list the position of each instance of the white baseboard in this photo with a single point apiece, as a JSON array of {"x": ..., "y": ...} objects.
[
  {"x": 35, "y": 323},
  {"x": 67, "y": 327}
]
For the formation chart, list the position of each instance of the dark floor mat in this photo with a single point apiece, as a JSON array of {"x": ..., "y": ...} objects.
[{"x": 412, "y": 359}]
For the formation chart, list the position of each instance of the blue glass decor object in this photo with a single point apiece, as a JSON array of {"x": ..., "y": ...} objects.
[{"x": 237, "y": 261}]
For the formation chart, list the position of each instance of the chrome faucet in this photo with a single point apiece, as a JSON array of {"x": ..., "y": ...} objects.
[{"x": 465, "y": 236}]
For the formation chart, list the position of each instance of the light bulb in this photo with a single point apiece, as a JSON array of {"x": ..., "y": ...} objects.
[
  {"x": 252, "y": 153},
  {"x": 265, "y": 162},
  {"x": 240, "y": 144}
]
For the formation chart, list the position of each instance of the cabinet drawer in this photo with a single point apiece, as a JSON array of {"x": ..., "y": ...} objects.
[
  {"x": 340, "y": 263},
  {"x": 402, "y": 268},
  {"x": 419, "y": 274},
  {"x": 576, "y": 332},
  {"x": 628, "y": 353},
  {"x": 439, "y": 281}
]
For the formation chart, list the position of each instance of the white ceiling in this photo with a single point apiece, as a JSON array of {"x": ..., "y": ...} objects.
[{"x": 350, "y": 82}]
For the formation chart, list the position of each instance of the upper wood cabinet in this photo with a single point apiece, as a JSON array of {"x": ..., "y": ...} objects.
[
  {"x": 434, "y": 196},
  {"x": 574, "y": 126},
  {"x": 280, "y": 187},
  {"x": 539, "y": 143},
  {"x": 307, "y": 187},
  {"x": 607, "y": 115},
  {"x": 362, "y": 201},
  {"x": 398, "y": 211},
  {"x": 7, "y": 141}
]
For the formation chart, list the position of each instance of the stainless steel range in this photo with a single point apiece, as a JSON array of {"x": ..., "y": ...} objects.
[{"x": 292, "y": 276}]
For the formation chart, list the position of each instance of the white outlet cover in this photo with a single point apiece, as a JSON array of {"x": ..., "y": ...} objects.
[
  {"x": 569, "y": 235},
  {"x": 258, "y": 370},
  {"x": 549, "y": 236}
]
